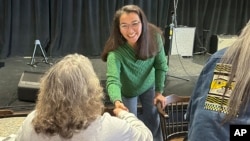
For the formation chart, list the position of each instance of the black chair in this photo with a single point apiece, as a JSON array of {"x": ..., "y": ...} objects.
[{"x": 172, "y": 118}]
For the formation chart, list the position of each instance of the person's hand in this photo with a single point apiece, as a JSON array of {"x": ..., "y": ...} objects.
[
  {"x": 162, "y": 99},
  {"x": 119, "y": 104},
  {"x": 116, "y": 111}
]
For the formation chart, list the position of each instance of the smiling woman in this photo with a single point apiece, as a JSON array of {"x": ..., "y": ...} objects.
[
  {"x": 132, "y": 34},
  {"x": 136, "y": 65},
  {"x": 133, "y": 25}
]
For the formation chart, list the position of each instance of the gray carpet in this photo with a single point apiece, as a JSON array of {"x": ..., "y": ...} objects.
[
  {"x": 181, "y": 78},
  {"x": 182, "y": 75}
]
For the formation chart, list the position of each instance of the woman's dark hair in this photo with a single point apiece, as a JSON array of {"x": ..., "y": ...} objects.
[{"x": 147, "y": 43}]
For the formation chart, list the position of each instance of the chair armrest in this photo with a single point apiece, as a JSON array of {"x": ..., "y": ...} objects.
[{"x": 161, "y": 111}]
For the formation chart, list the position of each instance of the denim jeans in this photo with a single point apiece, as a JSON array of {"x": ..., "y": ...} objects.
[{"x": 149, "y": 114}]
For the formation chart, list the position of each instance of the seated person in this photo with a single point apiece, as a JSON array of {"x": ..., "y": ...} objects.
[
  {"x": 70, "y": 107},
  {"x": 221, "y": 95}
]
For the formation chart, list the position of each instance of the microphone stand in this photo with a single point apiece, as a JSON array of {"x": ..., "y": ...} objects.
[
  {"x": 32, "y": 61},
  {"x": 172, "y": 25}
]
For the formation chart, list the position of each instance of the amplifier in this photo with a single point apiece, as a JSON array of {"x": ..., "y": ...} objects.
[
  {"x": 218, "y": 42},
  {"x": 1, "y": 64},
  {"x": 28, "y": 86}
]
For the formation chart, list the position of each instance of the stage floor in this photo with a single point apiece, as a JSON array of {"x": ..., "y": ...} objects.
[{"x": 181, "y": 77}]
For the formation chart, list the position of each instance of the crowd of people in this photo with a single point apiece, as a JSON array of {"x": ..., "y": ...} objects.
[{"x": 136, "y": 65}]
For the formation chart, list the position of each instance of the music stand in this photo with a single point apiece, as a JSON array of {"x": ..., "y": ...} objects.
[{"x": 32, "y": 61}]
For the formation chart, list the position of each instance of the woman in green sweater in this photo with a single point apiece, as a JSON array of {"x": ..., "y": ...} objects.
[{"x": 136, "y": 65}]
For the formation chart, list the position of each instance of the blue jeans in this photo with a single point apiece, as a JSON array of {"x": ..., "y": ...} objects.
[{"x": 149, "y": 114}]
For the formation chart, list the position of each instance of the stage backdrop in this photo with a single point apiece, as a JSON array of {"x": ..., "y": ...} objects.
[{"x": 83, "y": 26}]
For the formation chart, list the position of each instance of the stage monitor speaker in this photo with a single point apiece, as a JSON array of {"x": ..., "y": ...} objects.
[
  {"x": 28, "y": 86},
  {"x": 218, "y": 42},
  {"x": 2, "y": 64},
  {"x": 183, "y": 41}
]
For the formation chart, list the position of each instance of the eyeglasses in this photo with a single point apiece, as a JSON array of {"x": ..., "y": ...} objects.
[{"x": 126, "y": 26}]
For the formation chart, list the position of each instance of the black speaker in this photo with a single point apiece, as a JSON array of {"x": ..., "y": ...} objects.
[
  {"x": 218, "y": 42},
  {"x": 28, "y": 86},
  {"x": 2, "y": 64}
]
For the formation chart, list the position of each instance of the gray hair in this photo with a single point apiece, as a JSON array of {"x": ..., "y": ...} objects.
[
  {"x": 70, "y": 97},
  {"x": 238, "y": 55}
]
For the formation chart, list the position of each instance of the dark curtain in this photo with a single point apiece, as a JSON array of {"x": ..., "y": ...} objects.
[{"x": 83, "y": 26}]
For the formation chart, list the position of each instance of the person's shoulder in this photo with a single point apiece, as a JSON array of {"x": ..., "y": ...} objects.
[
  {"x": 219, "y": 53},
  {"x": 120, "y": 48},
  {"x": 123, "y": 114},
  {"x": 121, "y": 52},
  {"x": 114, "y": 55},
  {"x": 108, "y": 116},
  {"x": 31, "y": 115},
  {"x": 111, "y": 121},
  {"x": 213, "y": 59}
]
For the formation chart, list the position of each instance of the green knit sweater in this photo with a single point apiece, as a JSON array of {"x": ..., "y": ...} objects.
[{"x": 130, "y": 77}]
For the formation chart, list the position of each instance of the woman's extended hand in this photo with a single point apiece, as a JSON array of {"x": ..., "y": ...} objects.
[
  {"x": 119, "y": 106},
  {"x": 116, "y": 111}
]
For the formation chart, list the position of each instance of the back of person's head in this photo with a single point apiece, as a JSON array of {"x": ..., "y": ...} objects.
[
  {"x": 238, "y": 56},
  {"x": 70, "y": 97}
]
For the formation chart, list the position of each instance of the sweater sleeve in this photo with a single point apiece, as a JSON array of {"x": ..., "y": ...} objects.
[
  {"x": 113, "y": 84},
  {"x": 161, "y": 67},
  {"x": 139, "y": 130}
]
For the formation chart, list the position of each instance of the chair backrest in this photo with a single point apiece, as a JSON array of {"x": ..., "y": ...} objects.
[{"x": 173, "y": 123}]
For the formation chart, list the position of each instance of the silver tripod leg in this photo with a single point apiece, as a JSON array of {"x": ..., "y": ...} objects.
[{"x": 32, "y": 62}]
